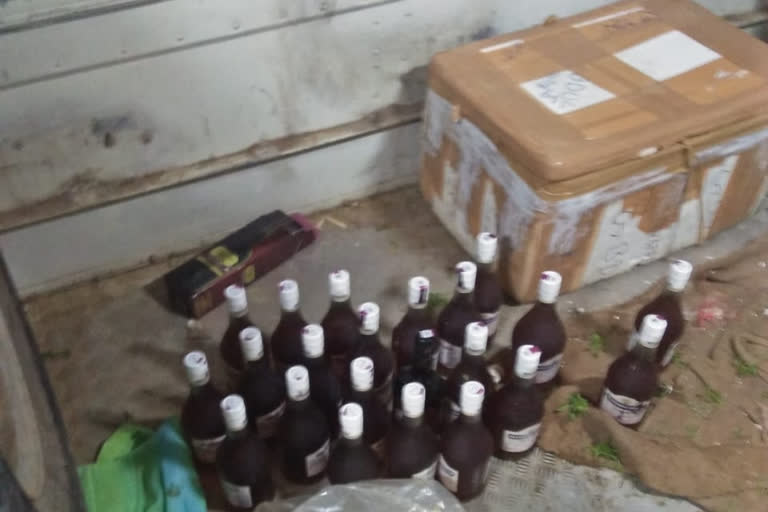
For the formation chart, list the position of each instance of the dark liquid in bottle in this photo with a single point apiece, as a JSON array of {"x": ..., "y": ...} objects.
[
  {"x": 202, "y": 423},
  {"x": 667, "y": 306},
  {"x": 514, "y": 415},
  {"x": 466, "y": 451},
  {"x": 244, "y": 469},
  {"x": 471, "y": 367},
  {"x": 412, "y": 449},
  {"x": 230, "y": 350},
  {"x": 286, "y": 340},
  {"x": 451, "y": 325},
  {"x": 375, "y": 418},
  {"x": 264, "y": 394},
  {"x": 352, "y": 460},
  {"x": 369, "y": 345},
  {"x": 406, "y": 333},
  {"x": 635, "y": 376},
  {"x": 341, "y": 326},
  {"x": 541, "y": 326},
  {"x": 304, "y": 438},
  {"x": 488, "y": 298},
  {"x": 420, "y": 369},
  {"x": 325, "y": 391}
]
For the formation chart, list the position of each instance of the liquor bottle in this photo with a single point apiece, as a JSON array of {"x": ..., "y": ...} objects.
[
  {"x": 303, "y": 432},
  {"x": 341, "y": 323},
  {"x": 361, "y": 372},
  {"x": 201, "y": 419},
  {"x": 352, "y": 459},
  {"x": 454, "y": 318},
  {"x": 324, "y": 388},
  {"x": 286, "y": 338},
  {"x": 231, "y": 354},
  {"x": 412, "y": 447},
  {"x": 514, "y": 412},
  {"x": 488, "y": 294},
  {"x": 472, "y": 367},
  {"x": 242, "y": 461},
  {"x": 260, "y": 386},
  {"x": 466, "y": 447},
  {"x": 369, "y": 345},
  {"x": 541, "y": 326},
  {"x": 421, "y": 369},
  {"x": 417, "y": 318},
  {"x": 667, "y": 305},
  {"x": 633, "y": 378}
]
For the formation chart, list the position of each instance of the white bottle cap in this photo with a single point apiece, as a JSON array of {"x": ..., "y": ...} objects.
[
  {"x": 527, "y": 361},
  {"x": 351, "y": 419},
  {"x": 413, "y": 397},
  {"x": 313, "y": 340},
  {"x": 467, "y": 273},
  {"x": 679, "y": 274},
  {"x": 486, "y": 247},
  {"x": 289, "y": 295},
  {"x": 471, "y": 400},
  {"x": 338, "y": 285},
  {"x": 369, "y": 317},
  {"x": 475, "y": 338},
  {"x": 196, "y": 366},
  {"x": 549, "y": 286},
  {"x": 652, "y": 330},
  {"x": 418, "y": 292},
  {"x": 361, "y": 373},
  {"x": 233, "y": 410},
  {"x": 252, "y": 344},
  {"x": 297, "y": 382},
  {"x": 237, "y": 300}
]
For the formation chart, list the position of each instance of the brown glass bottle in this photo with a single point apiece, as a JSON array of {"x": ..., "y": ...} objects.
[
  {"x": 454, "y": 318},
  {"x": 303, "y": 432},
  {"x": 472, "y": 367},
  {"x": 421, "y": 369},
  {"x": 201, "y": 419},
  {"x": 324, "y": 387},
  {"x": 466, "y": 447},
  {"x": 369, "y": 345},
  {"x": 352, "y": 460},
  {"x": 375, "y": 413},
  {"x": 231, "y": 354},
  {"x": 514, "y": 412},
  {"x": 242, "y": 461},
  {"x": 417, "y": 318},
  {"x": 668, "y": 306},
  {"x": 541, "y": 326},
  {"x": 260, "y": 386},
  {"x": 633, "y": 378},
  {"x": 286, "y": 338},
  {"x": 412, "y": 447},
  {"x": 488, "y": 294},
  {"x": 340, "y": 324}
]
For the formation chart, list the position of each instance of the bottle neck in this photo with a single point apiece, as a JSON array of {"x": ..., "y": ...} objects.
[
  {"x": 473, "y": 359},
  {"x": 360, "y": 397},
  {"x": 357, "y": 441},
  {"x": 523, "y": 383},
  {"x": 412, "y": 423},
  {"x": 471, "y": 420},
  {"x": 298, "y": 404},
  {"x": 256, "y": 364},
  {"x": 640, "y": 351},
  {"x": 669, "y": 292},
  {"x": 463, "y": 297},
  {"x": 238, "y": 314},
  {"x": 340, "y": 303},
  {"x": 290, "y": 314},
  {"x": 367, "y": 337},
  {"x": 196, "y": 389},
  {"x": 238, "y": 434},
  {"x": 314, "y": 362},
  {"x": 486, "y": 268}
]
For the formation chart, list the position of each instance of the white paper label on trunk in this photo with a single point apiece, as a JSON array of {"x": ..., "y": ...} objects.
[
  {"x": 716, "y": 179},
  {"x": 450, "y": 354},
  {"x": 667, "y": 55},
  {"x": 237, "y": 495},
  {"x": 565, "y": 92},
  {"x": 521, "y": 440},
  {"x": 669, "y": 355},
  {"x": 624, "y": 409},
  {"x": 316, "y": 461},
  {"x": 492, "y": 321},
  {"x": 448, "y": 476},
  {"x": 205, "y": 449},
  {"x": 427, "y": 473},
  {"x": 266, "y": 425},
  {"x": 548, "y": 369}
]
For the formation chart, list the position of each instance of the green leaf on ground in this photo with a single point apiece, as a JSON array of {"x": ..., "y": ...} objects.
[
  {"x": 576, "y": 406},
  {"x": 608, "y": 452},
  {"x": 596, "y": 344},
  {"x": 743, "y": 368}
]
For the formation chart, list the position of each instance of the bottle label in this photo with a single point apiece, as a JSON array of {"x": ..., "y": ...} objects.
[
  {"x": 632, "y": 341},
  {"x": 205, "y": 449},
  {"x": 492, "y": 321},
  {"x": 548, "y": 369},
  {"x": 316, "y": 461},
  {"x": 624, "y": 409},
  {"x": 384, "y": 392},
  {"x": 520, "y": 440},
  {"x": 448, "y": 476},
  {"x": 237, "y": 495},
  {"x": 669, "y": 355},
  {"x": 450, "y": 354},
  {"x": 266, "y": 424},
  {"x": 427, "y": 473}
]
